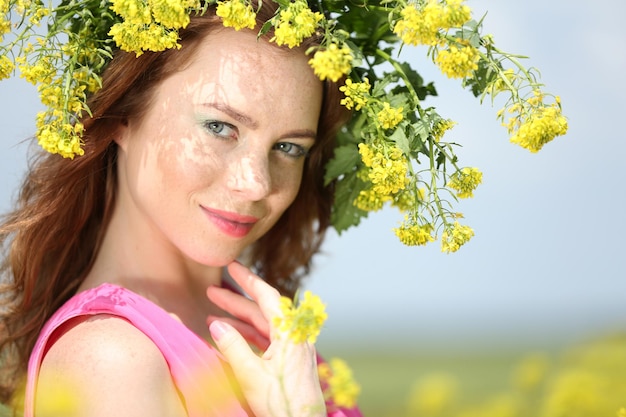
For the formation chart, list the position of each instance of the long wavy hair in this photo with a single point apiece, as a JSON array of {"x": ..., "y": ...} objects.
[{"x": 52, "y": 237}]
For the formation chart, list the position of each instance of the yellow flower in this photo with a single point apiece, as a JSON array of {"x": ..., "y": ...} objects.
[
  {"x": 409, "y": 197},
  {"x": 414, "y": 234},
  {"x": 236, "y": 14},
  {"x": 539, "y": 127},
  {"x": 356, "y": 94},
  {"x": 5, "y": 27},
  {"x": 423, "y": 26},
  {"x": 369, "y": 200},
  {"x": 367, "y": 154},
  {"x": 458, "y": 63},
  {"x": 332, "y": 63},
  {"x": 5, "y": 24},
  {"x": 465, "y": 181},
  {"x": 387, "y": 168},
  {"x": 39, "y": 13},
  {"x": 456, "y": 14},
  {"x": 304, "y": 321},
  {"x": 295, "y": 23},
  {"x": 59, "y": 137},
  {"x": 419, "y": 27},
  {"x": 389, "y": 116},
  {"x": 390, "y": 178},
  {"x": 338, "y": 382},
  {"x": 22, "y": 5},
  {"x": 173, "y": 14},
  {"x": 134, "y": 12},
  {"x": 41, "y": 72},
  {"x": 441, "y": 127},
  {"x": 138, "y": 38},
  {"x": 453, "y": 238},
  {"x": 6, "y": 67}
]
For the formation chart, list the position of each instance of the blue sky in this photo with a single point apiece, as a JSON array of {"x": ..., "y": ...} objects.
[{"x": 546, "y": 265}]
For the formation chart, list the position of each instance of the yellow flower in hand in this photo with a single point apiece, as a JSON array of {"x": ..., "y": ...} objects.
[{"x": 304, "y": 321}]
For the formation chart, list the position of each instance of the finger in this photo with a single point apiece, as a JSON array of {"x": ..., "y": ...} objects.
[
  {"x": 266, "y": 296},
  {"x": 240, "y": 307},
  {"x": 232, "y": 345},
  {"x": 251, "y": 334}
]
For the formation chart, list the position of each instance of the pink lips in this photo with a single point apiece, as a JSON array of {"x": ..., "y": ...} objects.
[{"x": 232, "y": 224}]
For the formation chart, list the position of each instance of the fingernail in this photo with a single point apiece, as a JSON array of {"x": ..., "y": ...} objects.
[{"x": 217, "y": 330}]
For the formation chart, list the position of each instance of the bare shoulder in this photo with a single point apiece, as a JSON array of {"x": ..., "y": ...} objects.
[{"x": 103, "y": 365}]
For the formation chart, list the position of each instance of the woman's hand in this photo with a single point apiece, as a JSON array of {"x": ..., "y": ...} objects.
[
  {"x": 283, "y": 381},
  {"x": 245, "y": 316}
]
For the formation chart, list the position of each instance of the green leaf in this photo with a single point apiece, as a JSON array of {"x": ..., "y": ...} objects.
[
  {"x": 441, "y": 160},
  {"x": 345, "y": 214},
  {"x": 417, "y": 82},
  {"x": 483, "y": 77},
  {"x": 265, "y": 28},
  {"x": 401, "y": 140},
  {"x": 345, "y": 160}
]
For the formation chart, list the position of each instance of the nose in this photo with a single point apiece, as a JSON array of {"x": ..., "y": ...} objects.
[{"x": 250, "y": 175}]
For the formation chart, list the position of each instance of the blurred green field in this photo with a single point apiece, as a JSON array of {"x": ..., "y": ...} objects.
[
  {"x": 585, "y": 380},
  {"x": 387, "y": 379}
]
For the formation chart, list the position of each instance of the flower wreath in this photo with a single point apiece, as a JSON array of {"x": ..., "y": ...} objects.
[{"x": 393, "y": 151}]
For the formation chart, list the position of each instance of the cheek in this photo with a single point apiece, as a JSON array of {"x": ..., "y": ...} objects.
[
  {"x": 289, "y": 185},
  {"x": 188, "y": 158}
]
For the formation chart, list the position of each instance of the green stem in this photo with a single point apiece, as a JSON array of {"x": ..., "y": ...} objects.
[
  {"x": 407, "y": 82},
  {"x": 433, "y": 184}
]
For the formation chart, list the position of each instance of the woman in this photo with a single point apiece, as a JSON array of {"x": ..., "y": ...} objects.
[{"x": 193, "y": 158}]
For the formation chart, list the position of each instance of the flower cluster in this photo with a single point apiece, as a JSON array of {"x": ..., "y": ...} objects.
[
  {"x": 392, "y": 128},
  {"x": 295, "y": 23},
  {"x": 394, "y": 149},
  {"x": 412, "y": 234},
  {"x": 332, "y": 63},
  {"x": 302, "y": 322},
  {"x": 422, "y": 23},
  {"x": 236, "y": 14},
  {"x": 339, "y": 385},
  {"x": 387, "y": 168},
  {"x": 533, "y": 123},
  {"x": 456, "y": 236},
  {"x": 465, "y": 181},
  {"x": 150, "y": 26}
]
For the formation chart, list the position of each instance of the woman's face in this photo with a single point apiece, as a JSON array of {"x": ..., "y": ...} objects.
[{"x": 219, "y": 155}]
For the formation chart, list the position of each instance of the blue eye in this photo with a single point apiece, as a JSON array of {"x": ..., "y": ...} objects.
[
  {"x": 291, "y": 149},
  {"x": 221, "y": 129}
]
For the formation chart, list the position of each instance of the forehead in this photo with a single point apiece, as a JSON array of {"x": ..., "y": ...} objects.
[
  {"x": 238, "y": 68},
  {"x": 230, "y": 54}
]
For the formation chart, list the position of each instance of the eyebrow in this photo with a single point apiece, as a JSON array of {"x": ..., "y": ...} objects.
[
  {"x": 253, "y": 124},
  {"x": 240, "y": 117}
]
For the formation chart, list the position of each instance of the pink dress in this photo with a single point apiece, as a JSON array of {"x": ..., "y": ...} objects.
[{"x": 193, "y": 363}]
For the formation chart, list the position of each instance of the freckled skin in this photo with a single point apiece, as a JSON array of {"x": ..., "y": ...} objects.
[{"x": 171, "y": 165}]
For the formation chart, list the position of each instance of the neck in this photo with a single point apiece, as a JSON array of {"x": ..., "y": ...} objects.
[{"x": 135, "y": 255}]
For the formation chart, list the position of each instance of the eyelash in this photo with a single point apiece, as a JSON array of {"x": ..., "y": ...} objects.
[
  {"x": 293, "y": 150},
  {"x": 300, "y": 150},
  {"x": 211, "y": 125}
]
